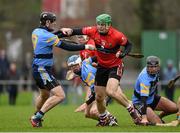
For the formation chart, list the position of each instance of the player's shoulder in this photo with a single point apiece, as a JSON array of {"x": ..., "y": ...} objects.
[
  {"x": 143, "y": 74},
  {"x": 117, "y": 32},
  {"x": 39, "y": 30},
  {"x": 42, "y": 32},
  {"x": 36, "y": 31},
  {"x": 118, "y": 35}
]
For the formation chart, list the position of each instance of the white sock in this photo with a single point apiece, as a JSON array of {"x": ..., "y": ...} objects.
[
  {"x": 103, "y": 114},
  {"x": 129, "y": 106}
]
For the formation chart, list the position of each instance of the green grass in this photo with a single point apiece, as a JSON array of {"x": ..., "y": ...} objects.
[{"x": 63, "y": 119}]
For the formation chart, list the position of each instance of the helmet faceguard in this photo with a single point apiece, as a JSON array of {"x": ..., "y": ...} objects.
[
  {"x": 74, "y": 63},
  {"x": 153, "y": 65}
]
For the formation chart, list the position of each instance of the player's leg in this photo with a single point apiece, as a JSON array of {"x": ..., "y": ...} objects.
[
  {"x": 87, "y": 91},
  {"x": 46, "y": 81},
  {"x": 178, "y": 105},
  {"x": 170, "y": 124},
  {"x": 152, "y": 116},
  {"x": 101, "y": 79},
  {"x": 81, "y": 108},
  {"x": 91, "y": 111},
  {"x": 175, "y": 122},
  {"x": 43, "y": 96},
  {"x": 100, "y": 97},
  {"x": 105, "y": 118},
  {"x": 57, "y": 96},
  {"x": 166, "y": 106},
  {"x": 113, "y": 90}
]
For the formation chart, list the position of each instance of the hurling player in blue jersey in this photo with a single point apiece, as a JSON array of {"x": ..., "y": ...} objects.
[
  {"x": 145, "y": 97},
  {"x": 86, "y": 71},
  {"x": 43, "y": 39}
]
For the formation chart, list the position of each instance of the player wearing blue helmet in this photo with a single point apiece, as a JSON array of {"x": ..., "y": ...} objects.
[{"x": 85, "y": 70}]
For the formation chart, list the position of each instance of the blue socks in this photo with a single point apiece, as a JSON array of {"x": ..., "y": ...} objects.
[{"x": 39, "y": 115}]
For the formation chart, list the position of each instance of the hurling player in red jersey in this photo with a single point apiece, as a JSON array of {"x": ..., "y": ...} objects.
[{"x": 108, "y": 41}]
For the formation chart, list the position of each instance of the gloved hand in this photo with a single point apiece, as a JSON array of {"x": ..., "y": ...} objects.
[
  {"x": 90, "y": 47},
  {"x": 70, "y": 75},
  {"x": 120, "y": 54},
  {"x": 66, "y": 31}
]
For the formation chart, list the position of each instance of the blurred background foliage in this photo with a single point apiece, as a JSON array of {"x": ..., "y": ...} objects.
[
  {"x": 129, "y": 16},
  {"x": 19, "y": 17}
]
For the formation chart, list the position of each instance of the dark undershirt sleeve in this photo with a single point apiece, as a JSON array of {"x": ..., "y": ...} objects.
[
  {"x": 71, "y": 46},
  {"x": 77, "y": 31},
  {"x": 128, "y": 48},
  {"x": 59, "y": 34},
  {"x": 94, "y": 59},
  {"x": 144, "y": 105}
]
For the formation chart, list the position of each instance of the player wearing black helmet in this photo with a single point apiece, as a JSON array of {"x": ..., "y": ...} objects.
[
  {"x": 153, "y": 65},
  {"x": 145, "y": 97},
  {"x": 43, "y": 40},
  {"x": 47, "y": 16}
]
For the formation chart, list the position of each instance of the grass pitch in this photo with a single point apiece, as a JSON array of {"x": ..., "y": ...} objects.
[{"x": 63, "y": 119}]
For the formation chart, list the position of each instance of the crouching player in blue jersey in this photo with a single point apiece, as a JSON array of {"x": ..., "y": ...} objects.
[
  {"x": 87, "y": 72},
  {"x": 51, "y": 92},
  {"x": 145, "y": 97}
]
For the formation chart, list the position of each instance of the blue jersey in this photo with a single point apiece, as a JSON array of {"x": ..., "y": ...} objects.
[
  {"x": 146, "y": 85},
  {"x": 88, "y": 73},
  {"x": 43, "y": 42}
]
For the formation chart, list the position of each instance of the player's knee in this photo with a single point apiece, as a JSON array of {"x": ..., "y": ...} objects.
[
  {"x": 60, "y": 96},
  {"x": 175, "y": 109},
  {"x": 44, "y": 96},
  {"x": 110, "y": 92}
]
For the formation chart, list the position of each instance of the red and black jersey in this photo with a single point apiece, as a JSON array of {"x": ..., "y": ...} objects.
[
  {"x": 107, "y": 45},
  {"x": 88, "y": 53}
]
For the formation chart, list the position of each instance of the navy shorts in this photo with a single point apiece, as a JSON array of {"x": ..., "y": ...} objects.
[
  {"x": 103, "y": 74},
  {"x": 152, "y": 105},
  {"x": 44, "y": 78}
]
